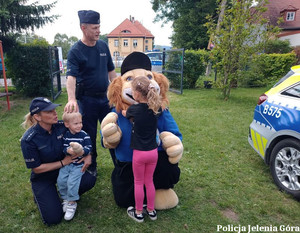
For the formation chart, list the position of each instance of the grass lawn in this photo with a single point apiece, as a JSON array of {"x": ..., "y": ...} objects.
[{"x": 223, "y": 181}]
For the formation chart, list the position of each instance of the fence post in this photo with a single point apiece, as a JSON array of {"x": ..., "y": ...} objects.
[{"x": 4, "y": 75}]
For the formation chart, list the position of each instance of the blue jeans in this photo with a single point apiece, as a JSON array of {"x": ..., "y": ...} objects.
[{"x": 68, "y": 181}]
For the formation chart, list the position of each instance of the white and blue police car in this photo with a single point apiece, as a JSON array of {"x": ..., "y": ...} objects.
[
  {"x": 156, "y": 58},
  {"x": 275, "y": 131}
]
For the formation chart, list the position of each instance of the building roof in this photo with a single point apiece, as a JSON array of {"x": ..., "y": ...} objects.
[
  {"x": 130, "y": 28},
  {"x": 276, "y": 9}
]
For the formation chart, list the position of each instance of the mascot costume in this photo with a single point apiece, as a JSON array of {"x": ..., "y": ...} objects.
[{"x": 116, "y": 133}]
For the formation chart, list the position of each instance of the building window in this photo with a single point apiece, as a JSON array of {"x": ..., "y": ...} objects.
[
  {"x": 116, "y": 43},
  {"x": 146, "y": 41},
  {"x": 146, "y": 48},
  {"x": 125, "y": 31},
  {"x": 116, "y": 54},
  {"x": 125, "y": 43},
  {"x": 134, "y": 43},
  {"x": 290, "y": 16}
]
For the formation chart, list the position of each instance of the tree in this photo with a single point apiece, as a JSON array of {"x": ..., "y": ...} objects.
[
  {"x": 15, "y": 15},
  {"x": 188, "y": 17},
  {"x": 63, "y": 41},
  {"x": 241, "y": 33}
]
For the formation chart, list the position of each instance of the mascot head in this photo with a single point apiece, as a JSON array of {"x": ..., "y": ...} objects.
[{"x": 134, "y": 65}]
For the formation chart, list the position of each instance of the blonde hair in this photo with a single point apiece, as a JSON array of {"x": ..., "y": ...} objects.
[
  {"x": 67, "y": 116},
  {"x": 29, "y": 121},
  {"x": 144, "y": 86}
]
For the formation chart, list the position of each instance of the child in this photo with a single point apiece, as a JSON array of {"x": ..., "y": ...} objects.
[
  {"x": 69, "y": 177},
  {"x": 143, "y": 142}
]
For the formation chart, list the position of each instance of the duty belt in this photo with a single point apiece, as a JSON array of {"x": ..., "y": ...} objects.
[{"x": 94, "y": 94}]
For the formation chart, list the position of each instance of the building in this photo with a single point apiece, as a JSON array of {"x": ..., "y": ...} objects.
[
  {"x": 289, "y": 10},
  {"x": 128, "y": 37}
]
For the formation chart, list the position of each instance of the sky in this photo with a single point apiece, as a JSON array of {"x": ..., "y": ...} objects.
[{"x": 112, "y": 13}]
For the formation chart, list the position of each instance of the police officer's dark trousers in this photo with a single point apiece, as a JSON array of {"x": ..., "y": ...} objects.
[
  {"x": 47, "y": 198},
  {"x": 93, "y": 109}
]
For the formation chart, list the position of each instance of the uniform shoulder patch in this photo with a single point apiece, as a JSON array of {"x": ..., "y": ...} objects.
[{"x": 30, "y": 133}]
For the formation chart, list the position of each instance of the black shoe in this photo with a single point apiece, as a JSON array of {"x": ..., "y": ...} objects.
[
  {"x": 152, "y": 215},
  {"x": 132, "y": 214}
]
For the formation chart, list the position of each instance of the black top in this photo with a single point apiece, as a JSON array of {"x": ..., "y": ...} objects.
[
  {"x": 90, "y": 65},
  {"x": 144, "y": 128}
]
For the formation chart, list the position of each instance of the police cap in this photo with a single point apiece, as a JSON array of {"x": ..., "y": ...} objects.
[
  {"x": 89, "y": 17},
  {"x": 41, "y": 104}
]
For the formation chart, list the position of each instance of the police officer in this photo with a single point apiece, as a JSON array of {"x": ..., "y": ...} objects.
[
  {"x": 90, "y": 68},
  {"x": 42, "y": 148}
]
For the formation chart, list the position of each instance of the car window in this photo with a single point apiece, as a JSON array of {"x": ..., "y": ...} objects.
[
  {"x": 293, "y": 91},
  {"x": 289, "y": 74}
]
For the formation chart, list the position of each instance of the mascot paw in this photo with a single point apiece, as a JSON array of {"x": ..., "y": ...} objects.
[
  {"x": 110, "y": 130},
  {"x": 76, "y": 147},
  {"x": 165, "y": 199},
  {"x": 172, "y": 145}
]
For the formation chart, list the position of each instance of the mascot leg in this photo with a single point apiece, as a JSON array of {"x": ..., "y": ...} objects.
[
  {"x": 165, "y": 199},
  {"x": 123, "y": 184},
  {"x": 165, "y": 176}
]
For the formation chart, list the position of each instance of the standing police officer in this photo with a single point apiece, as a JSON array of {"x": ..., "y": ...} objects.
[{"x": 90, "y": 68}]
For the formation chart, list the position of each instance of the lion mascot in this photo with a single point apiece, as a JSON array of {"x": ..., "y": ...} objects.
[{"x": 116, "y": 134}]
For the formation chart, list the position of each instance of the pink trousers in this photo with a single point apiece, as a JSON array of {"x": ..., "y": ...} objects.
[{"x": 143, "y": 166}]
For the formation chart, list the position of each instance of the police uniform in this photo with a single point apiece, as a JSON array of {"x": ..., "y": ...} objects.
[
  {"x": 90, "y": 67},
  {"x": 39, "y": 147}
]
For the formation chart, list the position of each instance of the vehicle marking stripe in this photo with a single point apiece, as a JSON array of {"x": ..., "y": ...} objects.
[
  {"x": 259, "y": 143},
  {"x": 264, "y": 140},
  {"x": 254, "y": 139}
]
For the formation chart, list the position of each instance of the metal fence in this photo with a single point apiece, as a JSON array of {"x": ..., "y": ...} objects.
[
  {"x": 173, "y": 62},
  {"x": 54, "y": 72}
]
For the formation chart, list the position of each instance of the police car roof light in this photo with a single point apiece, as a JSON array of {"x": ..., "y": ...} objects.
[{"x": 262, "y": 99}]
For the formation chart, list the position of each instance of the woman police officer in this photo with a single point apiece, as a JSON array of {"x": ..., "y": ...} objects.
[{"x": 42, "y": 147}]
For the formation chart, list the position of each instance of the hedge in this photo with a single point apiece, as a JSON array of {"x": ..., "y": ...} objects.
[
  {"x": 267, "y": 69},
  {"x": 28, "y": 67}
]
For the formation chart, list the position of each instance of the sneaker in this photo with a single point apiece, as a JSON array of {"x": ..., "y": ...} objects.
[
  {"x": 70, "y": 211},
  {"x": 64, "y": 205},
  {"x": 152, "y": 215},
  {"x": 137, "y": 217}
]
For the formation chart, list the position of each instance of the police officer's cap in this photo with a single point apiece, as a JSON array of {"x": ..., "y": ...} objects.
[
  {"x": 41, "y": 104},
  {"x": 89, "y": 17},
  {"x": 135, "y": 60}
]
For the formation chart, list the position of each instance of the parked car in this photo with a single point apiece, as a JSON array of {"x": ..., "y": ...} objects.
[
  {"x": 156, "y": 60},
  {"x": 275, "y": 131}
]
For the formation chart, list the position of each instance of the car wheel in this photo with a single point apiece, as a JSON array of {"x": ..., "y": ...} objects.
[{"x": 285, "y": 166}]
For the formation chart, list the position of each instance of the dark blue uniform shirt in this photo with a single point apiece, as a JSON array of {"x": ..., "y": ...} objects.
[
  {"x": 38, "y": 147},
  {"x": 90, "y": 66}
]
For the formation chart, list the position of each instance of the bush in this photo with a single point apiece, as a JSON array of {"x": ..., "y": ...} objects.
[
  {"x": 194, "y": 66},
  {"x": 266, "y": 69},
  {"x": 28, "y": 67},
  {"x": 278, "y": 46}
]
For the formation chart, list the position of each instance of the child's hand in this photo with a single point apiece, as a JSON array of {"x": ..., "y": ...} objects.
[{"x": 124, "y": 113}]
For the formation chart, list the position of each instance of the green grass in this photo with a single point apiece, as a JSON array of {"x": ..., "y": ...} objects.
[{"x": 223, "y": 181}]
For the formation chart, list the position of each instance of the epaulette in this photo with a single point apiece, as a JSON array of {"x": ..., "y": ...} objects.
[
  {"x": 29, "y": 134},
  {"x": 60, "y": 122}
]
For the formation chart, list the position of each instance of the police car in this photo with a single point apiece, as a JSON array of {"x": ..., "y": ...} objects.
[
  {"x": 156, "y": 58},
  {"x": 275, "y": 131}
]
